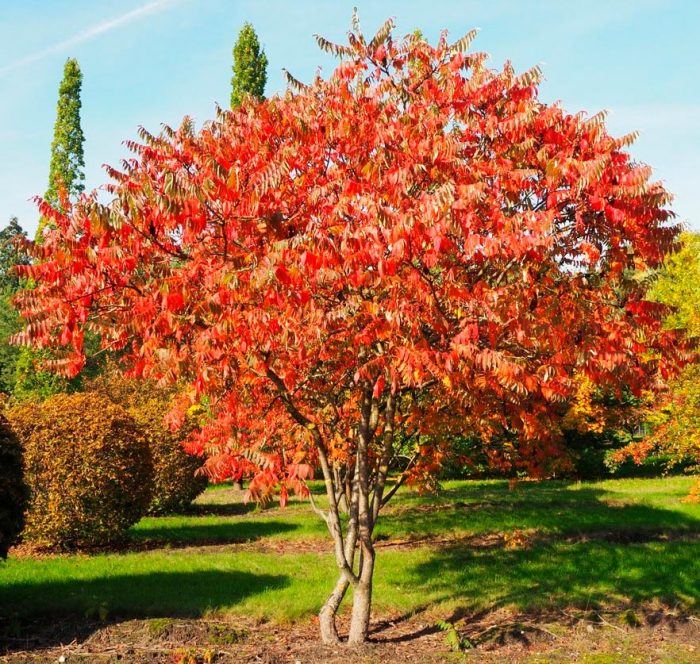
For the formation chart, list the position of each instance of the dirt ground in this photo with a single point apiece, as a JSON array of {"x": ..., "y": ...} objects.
[{"x": 597, "y": 638}]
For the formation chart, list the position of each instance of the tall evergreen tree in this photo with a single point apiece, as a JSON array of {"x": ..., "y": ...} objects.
[
  {"x": 67, "y": 161},
  {"x": 249, "y": 66},
  {"x": 249, "y": 72}
]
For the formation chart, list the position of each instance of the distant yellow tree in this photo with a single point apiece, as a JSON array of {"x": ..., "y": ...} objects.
[
  {"x": 675, "y": 419},
  {"x": 678, "y": 285}
]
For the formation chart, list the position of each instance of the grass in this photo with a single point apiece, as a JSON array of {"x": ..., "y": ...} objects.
[
  {"x": 614, "y": 542},
  {"x": 460, "y": 509}
]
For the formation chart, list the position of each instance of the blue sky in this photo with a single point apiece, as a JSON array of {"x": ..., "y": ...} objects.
[{"x": 147, "y": 62}]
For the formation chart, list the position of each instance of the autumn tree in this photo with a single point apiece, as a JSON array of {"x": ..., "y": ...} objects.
[
  {"x": 369, "y": 265},
  {"x": 249, "y": 67}
]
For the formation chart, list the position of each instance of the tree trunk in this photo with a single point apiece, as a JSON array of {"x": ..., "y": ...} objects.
[
  {"x": 362, "y": 599},
  {"x": 362, "y": 587},
  {"x": 362, "y": 514},
  {"x": 329, "y": 631}
]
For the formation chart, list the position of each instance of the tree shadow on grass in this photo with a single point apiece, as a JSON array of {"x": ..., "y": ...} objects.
[
  {"x": 557, "y": 507},
  {"x": 178, "y": 533},
  {"x": 219, "y": 509},
  {"x": 614, "y": 556},
  {"x": 40, "y": 615}
]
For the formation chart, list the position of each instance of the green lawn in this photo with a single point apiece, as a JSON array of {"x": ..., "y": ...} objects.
[
  {"x": 605, "y": 543},
  {"x": 460, "y": 509}
]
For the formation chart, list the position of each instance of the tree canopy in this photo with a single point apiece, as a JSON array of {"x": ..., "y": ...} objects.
[
  {"x": 677, "y": 285},
  {"x": 12, "y": 254},
  {"x": 369, "y": 264},
  {"x": 66, "y": 178}
]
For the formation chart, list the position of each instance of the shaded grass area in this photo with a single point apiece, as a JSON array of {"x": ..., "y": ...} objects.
[
  {"x": 583, "y": 575},
  {"x": 212, "y": 530},
  {"x": 621, "y": 558},
  {"x": 460, "y": 509},
  {"x": 554, "y": 508}
]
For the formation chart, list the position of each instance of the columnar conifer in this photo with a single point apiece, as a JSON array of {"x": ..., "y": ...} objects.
[{"x": 249, "y": 67}]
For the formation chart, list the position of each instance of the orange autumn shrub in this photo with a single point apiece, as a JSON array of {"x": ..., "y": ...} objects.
[
  {"x": 88, "y": 470},
  {"x": 176, "y": 480}
]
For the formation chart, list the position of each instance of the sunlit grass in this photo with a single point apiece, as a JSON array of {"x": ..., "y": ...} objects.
[{"x": 613, "y": 542}]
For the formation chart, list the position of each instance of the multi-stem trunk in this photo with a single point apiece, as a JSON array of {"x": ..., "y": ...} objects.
[
  {"x": 362, "y": 517},
  {"x": 362, "y": 587},
  {"x": 345, "y": 559},
  {"x": 360, "y": 581},
  {"x": 326, "y": 617},
  {"x": 360, "y": 491}
]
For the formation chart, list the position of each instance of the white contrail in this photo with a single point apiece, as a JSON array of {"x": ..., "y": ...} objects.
[{"x": 89, "y": 33}]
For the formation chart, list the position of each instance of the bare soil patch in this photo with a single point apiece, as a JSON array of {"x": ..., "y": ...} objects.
[{"x": 642, "y": 635}]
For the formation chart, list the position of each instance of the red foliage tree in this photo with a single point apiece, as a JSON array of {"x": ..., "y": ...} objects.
[{"x": 413, "y": 248}]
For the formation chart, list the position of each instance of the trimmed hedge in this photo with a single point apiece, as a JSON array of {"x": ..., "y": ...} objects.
[
  {"x": 176, "y": 481},
  {"x": 88, "y": 469},
  {"x": 13, "y": 492}
]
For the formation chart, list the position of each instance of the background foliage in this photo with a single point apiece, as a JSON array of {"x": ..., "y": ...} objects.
[
  {"x": 13, "y": 492},
  {"x": 249, "y": 66},
  {"x": 673, "y": 419}
]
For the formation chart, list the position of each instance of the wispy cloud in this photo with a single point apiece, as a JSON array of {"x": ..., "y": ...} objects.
[{"x": 89, "y": 33}]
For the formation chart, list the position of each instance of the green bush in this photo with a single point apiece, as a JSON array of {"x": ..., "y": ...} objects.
[
  {"x": 88, "y": 469},
  {"x": 13, "y": 492}
]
